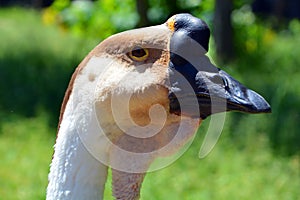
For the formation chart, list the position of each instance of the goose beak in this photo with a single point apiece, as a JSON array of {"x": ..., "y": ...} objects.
[
  {"x": 219, "y": 92},
  {"x": 215, "y": 93},
  {"x": 212, "y": 89}
]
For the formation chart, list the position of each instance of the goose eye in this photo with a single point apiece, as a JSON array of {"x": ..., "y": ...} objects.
[{"x": 139, "y": 54}]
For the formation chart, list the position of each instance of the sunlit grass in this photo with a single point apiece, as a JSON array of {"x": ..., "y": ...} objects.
[
  {"x": 25, "y": 155},
  {"x": 229, "y": 172}
]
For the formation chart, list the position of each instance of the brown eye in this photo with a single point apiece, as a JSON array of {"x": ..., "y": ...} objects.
[{"x": 139, "y": 54}]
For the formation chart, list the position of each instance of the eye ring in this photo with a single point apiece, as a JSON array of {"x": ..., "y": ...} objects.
[{"x": 139, "y": 54}]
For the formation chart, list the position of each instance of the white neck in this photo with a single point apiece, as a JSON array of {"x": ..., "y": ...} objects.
[{"x": 74, "y": 172}]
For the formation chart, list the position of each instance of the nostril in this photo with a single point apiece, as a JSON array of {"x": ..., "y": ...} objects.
[{"x": 225, "y": 84}]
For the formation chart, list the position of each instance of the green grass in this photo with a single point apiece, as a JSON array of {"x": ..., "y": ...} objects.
[
  {"x": 229, "y": 172},
  {"x": 25, "y": 155}
]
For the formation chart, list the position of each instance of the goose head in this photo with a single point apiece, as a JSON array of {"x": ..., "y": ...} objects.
[{"x": 159, "y": 76}]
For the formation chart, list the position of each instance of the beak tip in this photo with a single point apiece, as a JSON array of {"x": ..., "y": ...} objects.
[
  {"x": 259, "y": 103},
  {"x": 266, "y": 109}
]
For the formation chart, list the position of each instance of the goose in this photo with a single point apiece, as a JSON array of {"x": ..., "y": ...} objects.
[{"x": 138, "y": 96}]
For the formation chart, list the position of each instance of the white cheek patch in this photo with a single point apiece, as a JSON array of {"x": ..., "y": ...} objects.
[
  {"x": 123, "y": 79},
  {"x": 135, "y": 81}
]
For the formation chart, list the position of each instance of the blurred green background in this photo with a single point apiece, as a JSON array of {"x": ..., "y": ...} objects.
[{"x": 257, "y": 156}]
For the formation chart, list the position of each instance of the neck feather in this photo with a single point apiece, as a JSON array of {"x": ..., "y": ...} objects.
[{"x": 74, "y": 172}]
